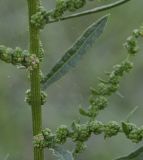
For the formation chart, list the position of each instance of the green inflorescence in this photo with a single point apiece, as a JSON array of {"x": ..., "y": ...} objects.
[
  {"x": 28, "y": 97},
  {"x": 18, "y": 57},
  {"x": 42, "y": 17},
  {"x": 80, "y": 133}
]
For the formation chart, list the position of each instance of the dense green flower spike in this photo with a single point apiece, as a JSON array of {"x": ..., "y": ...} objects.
[
  {"x": 18, "y": 57},
  {"x": 66, "y": 5},
  {"x": 42, "y": 16},
  {"x": 80, "y": 133},
  {"x": 99, "y": 96}
]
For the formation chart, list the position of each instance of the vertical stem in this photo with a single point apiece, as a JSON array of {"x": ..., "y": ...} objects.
[{"x": 35, "y": 78}]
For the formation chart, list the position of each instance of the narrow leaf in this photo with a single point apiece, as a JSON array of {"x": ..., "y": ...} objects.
[
  {"x": 74, "y": 54},
  {"x": 62, "y": 154},
  {"x": 132, "y": 155}
]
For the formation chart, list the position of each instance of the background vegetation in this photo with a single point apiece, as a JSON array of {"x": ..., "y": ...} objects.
[{"x": 67, "y": 94}]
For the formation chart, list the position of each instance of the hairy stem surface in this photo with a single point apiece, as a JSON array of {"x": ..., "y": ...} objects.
[{"x": 35, "y": 78}]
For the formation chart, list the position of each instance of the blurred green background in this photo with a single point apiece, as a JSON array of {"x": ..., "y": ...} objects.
[{"x": 72, "y": 90}]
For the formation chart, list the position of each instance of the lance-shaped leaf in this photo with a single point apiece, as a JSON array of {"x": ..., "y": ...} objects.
[
  {"x": 62, "y": 154},
  {"x": 137, "y": 154},
  {"x": 74, "y": 54}
]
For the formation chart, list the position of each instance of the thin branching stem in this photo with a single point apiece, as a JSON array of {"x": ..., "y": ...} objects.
[{"x": 91, "y": 11}]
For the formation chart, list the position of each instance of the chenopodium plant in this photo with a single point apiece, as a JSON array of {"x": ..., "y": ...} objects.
[{"x": 36, "y": 97}]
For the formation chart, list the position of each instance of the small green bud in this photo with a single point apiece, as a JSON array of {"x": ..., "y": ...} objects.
[
  {"x": 38, "y": 141},
  {"x": 111, "y": 129},
  {"x": 80, "y": 147},
  {"x": 28, "y": 97},
  {"x": 61, "y": 134},
  {"x": 81, "y": 133},
  {"x": 128, "y": 127},
  {"x": 99, "y": 102},
  {"x": 96, "y": 127},
  {"x": 135, "y": 135}
]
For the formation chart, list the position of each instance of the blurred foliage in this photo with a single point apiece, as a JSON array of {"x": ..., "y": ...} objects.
[{"x": 62, "y": 106}]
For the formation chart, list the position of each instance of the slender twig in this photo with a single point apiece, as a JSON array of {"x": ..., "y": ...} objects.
[{"x": 91, "y": 11}]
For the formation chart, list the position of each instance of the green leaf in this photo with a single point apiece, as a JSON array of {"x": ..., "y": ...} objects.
[
  {"x": 74, "y": 54},
  {"x": 83, "y": 112},
  {"x": 134, "y": 154},
  {"x": 62, "y": 154}
]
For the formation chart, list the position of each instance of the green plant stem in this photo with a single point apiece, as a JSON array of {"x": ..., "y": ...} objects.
[
  {"x": 35, "y": 79},
  {"x": 91, "y": 11}
]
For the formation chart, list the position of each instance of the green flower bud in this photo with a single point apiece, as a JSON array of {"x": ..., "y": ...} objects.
[
  {"x": 46, "y": 133},
  {"x": 49, "y": 138},
  {"x": 71, "y": 5},
  {"x": 81, "y": 133},
  {"x": 96, "y": 127},
  {"x": 17, "y": 57},
  {"x": 99, "y": 102},
  {"x": 111, "y": 129},
  {"x": 79, "y": 3},
  {"x": 136, "y": 135},
  {"x": 128, "y": 127},
  {"x": 80, "y": 147},
  {"x": 43, "y": 97},
  {"x": 38, "y": 141},
  {"x": 127, "y": 66},
  {"x": 136, "y": 33},
  {"x": 62, "y": 134},
  {"x": 28, "y": 96}
]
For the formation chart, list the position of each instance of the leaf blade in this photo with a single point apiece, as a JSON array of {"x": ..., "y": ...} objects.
[
  {"x": 132, "y": 155},
  {"x": 74, "y": 54}
]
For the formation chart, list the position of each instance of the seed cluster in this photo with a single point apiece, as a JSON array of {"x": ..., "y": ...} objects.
[
  {"x": 42, "y": 17},
  {"x": 81, "y": 133},
  {"x": 99, "y": 95},
  {"x": 28, "y": 97},
  {"x": 66, "y": 5},
  {"x": 18, "y": 57}
]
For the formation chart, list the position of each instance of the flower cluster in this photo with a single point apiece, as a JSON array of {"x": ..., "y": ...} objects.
[
  {"x": 132, "y": 132},
  {"x": 42, "y": 17},
  {"x": 41, "y": 51},
  {"x": 18, "y": 57},
  {"x": 28, "y": 97},
  {"x": 99, "y": 96},
  {"x": 79, "y": 133},
  {"x": 15, "y": 56},
  {"x": 131, "y": 43},
  {"x": 66, "y": 5}
]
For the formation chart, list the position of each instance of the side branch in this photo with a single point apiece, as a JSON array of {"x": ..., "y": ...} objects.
[
  {"x": 18, "y": 57},
  {"x": 91, "y": 11}
]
